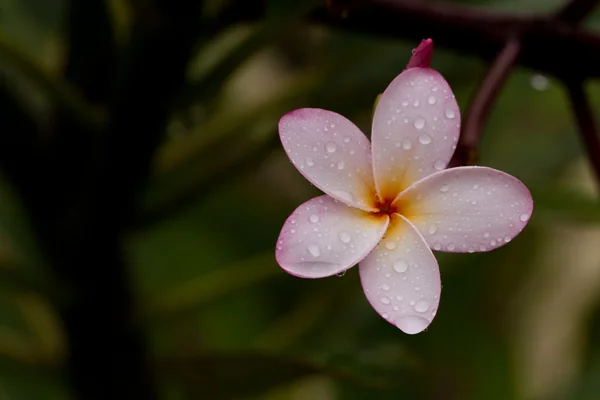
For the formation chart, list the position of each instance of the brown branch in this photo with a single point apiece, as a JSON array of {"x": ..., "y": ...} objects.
[
  {"x": 575, "y": 11},
  {"x": 585, "y": 121},
  {"x": 548, "y": 45},
  {"x": 481, "y": 105}
]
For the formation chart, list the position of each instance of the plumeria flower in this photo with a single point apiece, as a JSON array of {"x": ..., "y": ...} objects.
[{"x": 388, "y": 203}]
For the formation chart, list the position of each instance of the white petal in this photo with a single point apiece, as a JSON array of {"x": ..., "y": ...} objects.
[
  {"x": 467, "y": 209},
  {"x": 415, "y": 129},
  {"x": 401, "y": 278},
  {"x": 332, "y": 153},
  {"x": 324, "y": 237}
]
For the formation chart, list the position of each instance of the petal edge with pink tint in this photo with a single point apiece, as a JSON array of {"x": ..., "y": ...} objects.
[
  {"x": 324, "y": 237},
  {"x": 401, "y": 278},
  {"x": 422, "y": 55},
  {"x": 415, "y": 129},
  {"x": 332, "y": 153},
  {"x": 468, "y": 209}
]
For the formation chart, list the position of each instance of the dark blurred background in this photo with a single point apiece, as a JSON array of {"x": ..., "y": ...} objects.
[{"x": 143, "y": 187}]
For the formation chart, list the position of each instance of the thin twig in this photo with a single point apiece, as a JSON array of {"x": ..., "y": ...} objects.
[
  {"x": 482, "y": 103},
  {"x": 585, "y": 120},
  {"x": 575, "y": 11}
]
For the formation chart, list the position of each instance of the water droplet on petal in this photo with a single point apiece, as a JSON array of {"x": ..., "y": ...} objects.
[
  {"x": 314, "y": 218},
  {"x": 385, "y": 287},
  {"x": 422, "y": 306},
  {"x": 390, "y": 245},
  {"x": 331, "y": 147},
  {"x": 406, "y": 144},
  {"x": 439, "y": 164},
  {"x": 437, "y": 246},
  {"x": 310, "y": 162},
  {"x": 424, "y": 139},
  {"x": 346, "y": 139},
  {"x": 450, "y": 246},
  {"x": 412, "y": 324},
  {"x": 419, "y": 123},
  {"x": 449, "y": 113},
  {"x": 486, "y": 235},
  {"x": 444, "y": 188},
  {"x": 314, "y": 250},
  {"x": 400, "y": 266},
  {"x": 345, "y": 237},
  {"x": 385, "y": 300},
  {"x": 431, "y": 100},
  {"x": 341, "y": 165},
  {"x": 432, "y": 229},
  {"x": 524, "y": 217}
]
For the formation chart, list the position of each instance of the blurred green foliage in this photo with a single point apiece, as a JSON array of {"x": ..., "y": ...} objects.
[{"x": 225, "y": 322}]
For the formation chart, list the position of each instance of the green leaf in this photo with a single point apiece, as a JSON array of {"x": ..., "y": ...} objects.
[
  {"x": 246, "y": 374},
  {"x": 56, "y": 91},
  {"x": 197, "y": 292}
]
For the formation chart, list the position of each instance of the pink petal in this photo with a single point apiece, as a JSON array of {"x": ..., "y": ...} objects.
[
  {"x": 332, "y": 153},
  {"x": 401, "y": 278},
  {"x": 421, "y": 57},
  {"x": 467, "y": 209},
  {"x": 324, "y": 237},
  {"x": 415, "y": 129}
]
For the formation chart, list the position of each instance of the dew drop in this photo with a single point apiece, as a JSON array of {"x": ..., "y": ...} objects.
[
  {"x": 439, "y": 164},
  {"x": 450, "y": 114},
  {"x": 432, "y": 229},
  {"x": 385, "y": 300},
  {"x": 400, "y": 298},
  {"x": 482, "y": 248},
  {"x": 419, "y": 123},
  {"x": 345, "y": 237},
  {"x": 341, "y": 165},
  {"x": 314, "y": 218},
  {"x": 331, "y": 147},
  {"x": 450, "y": 246},
  {"x": 524, "y": 217},
  {"x": 437, "y": 246},
  {"x": 486, "y": 235},
  {"x": 422, "y": 306},
  {"x": 431, "y": 100},
  {"x": 390, "y": 245},
  {"x": 314, "y": 250},
  {"x": 424, "y": 139},
  {"x": 406, "y": 144},
  {"x": 412, "y": 324},
  {"x": 444, "y": 188},
  {"x": 400, "y": 266},
  {"x": 385, "y": 287},
  {"x": 347, "y": 139},
  {"x": 310, "y": 162}
]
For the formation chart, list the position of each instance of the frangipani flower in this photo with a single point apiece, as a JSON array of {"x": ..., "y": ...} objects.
[{"x": 391, "y": 201}]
